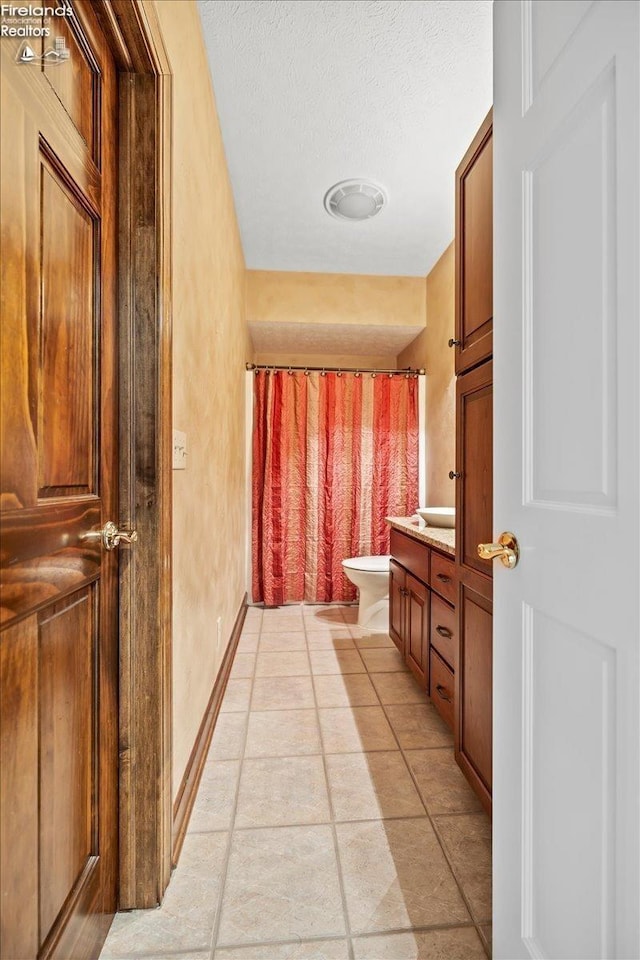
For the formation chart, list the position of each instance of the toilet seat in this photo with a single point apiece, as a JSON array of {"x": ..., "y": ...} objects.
[{"x": 368, "y": 564}]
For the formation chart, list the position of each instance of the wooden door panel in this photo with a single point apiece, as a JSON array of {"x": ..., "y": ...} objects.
[
  {"x": 474, "y": 440},
  {"x": 67, "y": 678},
  {"x": 19, "y": 788},
  {"x": 78, "y": 87},
  {"x": 474, "y": 251},
  {"x": 474, "y": 691},
  {"x": 66, "y": 394},
  {"x": 58, "y": 588},
  {"x": 417, "y": 629},
  {"x": 396, "y": 604}
]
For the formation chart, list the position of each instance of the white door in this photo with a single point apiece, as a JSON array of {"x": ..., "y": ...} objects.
[{"x": 567, "y": 480}]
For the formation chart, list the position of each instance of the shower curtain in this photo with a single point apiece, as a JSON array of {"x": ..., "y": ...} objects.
[{"x": 333, "y": 455}]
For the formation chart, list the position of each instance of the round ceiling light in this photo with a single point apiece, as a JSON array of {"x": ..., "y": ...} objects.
[{"x": 354, "y": 200}]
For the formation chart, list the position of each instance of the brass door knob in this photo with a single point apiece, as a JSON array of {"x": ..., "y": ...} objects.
[
  {"x": 112, "y": 537},
  {"x": 506, "y": 549}
]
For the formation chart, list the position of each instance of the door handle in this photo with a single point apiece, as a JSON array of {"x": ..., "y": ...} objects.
[
  {"x": 454, "y": 343},
  {"x": 112, "y": 537},
  {"x": 506, "y": 549},
  {"x": 454, "y": 475},
  {"x": 444, "y": 632}
]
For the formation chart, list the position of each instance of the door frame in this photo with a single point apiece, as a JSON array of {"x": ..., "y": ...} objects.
[{"x": 145, "y": 436}]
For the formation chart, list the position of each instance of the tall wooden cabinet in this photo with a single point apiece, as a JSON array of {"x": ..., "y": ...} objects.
[{"x": 474, "y": 459}]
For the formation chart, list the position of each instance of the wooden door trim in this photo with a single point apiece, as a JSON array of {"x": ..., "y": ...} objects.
[{"x": 144, "y": 279}]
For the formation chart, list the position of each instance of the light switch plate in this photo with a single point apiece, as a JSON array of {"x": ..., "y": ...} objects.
[{"x": 179, "y": 450}]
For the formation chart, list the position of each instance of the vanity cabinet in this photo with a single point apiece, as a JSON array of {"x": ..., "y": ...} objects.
[
  {"x": 474, "y": 251},
  {"x": 474, "y": 464},
  {"x": 422, "y": 588}
]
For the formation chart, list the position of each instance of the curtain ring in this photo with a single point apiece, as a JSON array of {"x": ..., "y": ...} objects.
[
  {"x": 290, "y": 372},
  {"x": 306, "y": 373},
  {"x": 323, "y": 372},
  {"x": 256, "y": 371},
  {"x": 390, "y": 376},
  {"x": 373, "y": 374},
  {"x": 339, "y": 373},
  {"x": 357, "y": 373}
]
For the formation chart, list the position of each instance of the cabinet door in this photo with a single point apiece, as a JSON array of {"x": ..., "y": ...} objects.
[
  {"x": 474, "y": 694},
  {"x": 474, "y": 525},
  {"x": 417, "y": 630},
  {"x": 397, "y": 578},
  {"x": 474, "y": 251}
]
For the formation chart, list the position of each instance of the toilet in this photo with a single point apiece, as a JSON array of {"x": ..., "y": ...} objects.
[{"x": 371, "y": 576}]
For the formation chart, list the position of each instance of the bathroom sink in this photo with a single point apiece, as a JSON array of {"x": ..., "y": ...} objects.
[{"x": 438, "y": 516}]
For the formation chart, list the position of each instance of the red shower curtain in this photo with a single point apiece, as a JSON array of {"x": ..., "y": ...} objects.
[{"x": 333, "y": 455}]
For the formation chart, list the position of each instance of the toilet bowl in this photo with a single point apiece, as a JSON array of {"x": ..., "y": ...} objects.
[{"x": 371, "y": 576}]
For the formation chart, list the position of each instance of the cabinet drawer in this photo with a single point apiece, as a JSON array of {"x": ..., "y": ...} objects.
[
  {"x": 443, "y": 576},
  {"x": 414, "y": 556},
  {"x": 443, "y": 630},
  {"x": 441, "y": 688}
]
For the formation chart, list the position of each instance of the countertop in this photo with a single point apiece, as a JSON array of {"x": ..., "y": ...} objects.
[{"x": 443, "y": 538}]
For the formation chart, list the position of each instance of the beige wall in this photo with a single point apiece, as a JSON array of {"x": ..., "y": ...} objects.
[
  {"x": 326, "y": 360},
  {"x": 431, "y": 350},
  {"x": 323, "y": 297},
  {"x": 210, "y": 347}
]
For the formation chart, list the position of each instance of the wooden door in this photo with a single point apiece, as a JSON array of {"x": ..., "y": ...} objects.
[
  {"x": 396, "y": 604},
  {"x": 58, "y": 587},
  {"x": 474, "y": 251},
  {"x": 417, "y": 630},
  {"x": 567, "y": 480},
  {"x": 474, "y": 525}
]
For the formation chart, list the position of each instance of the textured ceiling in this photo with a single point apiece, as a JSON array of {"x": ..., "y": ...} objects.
[
  {"x": 310, "y": 92},
  {"x": 315, "y": 339}
]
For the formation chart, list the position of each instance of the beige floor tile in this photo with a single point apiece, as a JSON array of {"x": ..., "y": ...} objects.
[
  {"x": 248, "y": 642},
  {"x": 467, "y": 840},
  {"x": 323, "y": 615},
  {"x": 236, "y": 696},
  {"x": 282, "y": 790},
  {"x": 305, "y": 950},
  {"x": 213, "y": 808},
  {"x": 370, "y": 786},
  {"x": 243, "y": 665},
  {"x": 457, "y": 943},
  {"x": 282, "y": 733},
  {"x": 282, "y": 664},
  {"x": 350, "y": 613},
  {"x": 385, "y": 660},
  {"x": 418, "y": 725},
  {"x": 330, "y": 640},
  {"x": 184, "y": 922},
  {"x": 336, "y": 661},
  {"x": 352, "y": 689},
  {"x": 398, "y": 688},
  {"x": 228, "y": 737},
  {"x": 487, "y": 933},
  {"x": 279, "y": 642},
  {"x": 282, "y": 693},
  {"x": 371, "y": 641},
  {"x": 441, "y": 782},
  {"x": 253, "y": 620},
  {"x": 355, "y": 730},
  {"x": 275, "y": 621},
  {"x": 282, "y": 884},
  {"x": 396, "y": 877}
]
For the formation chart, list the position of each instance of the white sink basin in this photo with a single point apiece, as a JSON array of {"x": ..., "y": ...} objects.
[{"x": 438, "y": 516}]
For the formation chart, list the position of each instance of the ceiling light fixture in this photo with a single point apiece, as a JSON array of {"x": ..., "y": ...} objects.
[{"x": 354, "y": 200}]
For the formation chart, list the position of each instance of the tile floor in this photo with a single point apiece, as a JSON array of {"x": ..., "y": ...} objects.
[{"x": 331, "y": 821}]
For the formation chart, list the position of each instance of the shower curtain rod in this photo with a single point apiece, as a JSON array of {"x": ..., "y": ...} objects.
[{"x": 408, "y": 371}]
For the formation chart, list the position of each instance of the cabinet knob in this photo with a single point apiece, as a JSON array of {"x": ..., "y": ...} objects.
[
  {"x": 454, "y": 343},
  {"x": 454, "y": 475},
  {"x": 443, "y": 631},
  {"x": 442, "y": 692}
]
